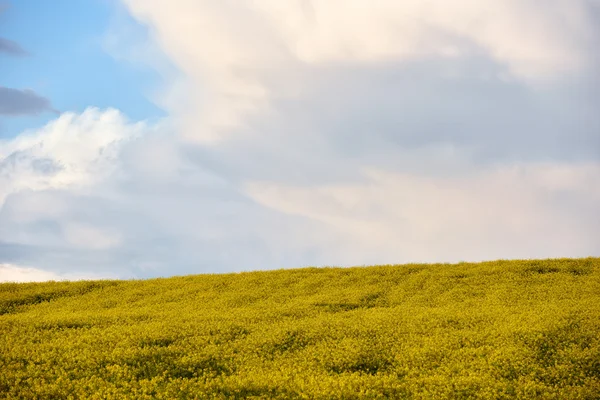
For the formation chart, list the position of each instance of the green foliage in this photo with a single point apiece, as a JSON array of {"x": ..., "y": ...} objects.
[{"x": 494, "y": 330}]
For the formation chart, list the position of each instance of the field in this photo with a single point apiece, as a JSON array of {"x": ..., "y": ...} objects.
[{"x": 494, "y": 330}]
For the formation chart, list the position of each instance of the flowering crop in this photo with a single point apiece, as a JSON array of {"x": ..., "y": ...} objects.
[{"x": 494, "y": 330}]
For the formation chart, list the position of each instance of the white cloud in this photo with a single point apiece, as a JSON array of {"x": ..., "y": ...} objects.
[
  {"x": 15, "y": 273},
  {"x": 70, "y": 152},
  {"x": 238, "y": 56},
  {"x": 518, "y": 211},
  {"x": 518, "y": 33},
  {"x": 532, "y": 40}
]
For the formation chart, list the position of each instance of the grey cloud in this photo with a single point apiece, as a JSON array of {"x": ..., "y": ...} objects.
[
  {"x": 14, "y": 252},
  {"x": 20, "y": 159},
  {"x": 64, "y": 260},
  {"x": 11, "y": 48},
  {"x": 462, "y": 103},
  {"x": 45, "y": 166},
  {"x": 15, "y": 102},
  {"x": 164, "y": 256},
  {"x": 349, "y": 116}
]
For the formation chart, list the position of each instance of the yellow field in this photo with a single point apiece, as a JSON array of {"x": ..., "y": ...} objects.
[{"x": 505, "y": 329}]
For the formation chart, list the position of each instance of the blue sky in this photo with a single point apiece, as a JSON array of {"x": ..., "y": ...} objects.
[
  {"x": 144, "y": 138},
  {"x": 67, "y": 62}
]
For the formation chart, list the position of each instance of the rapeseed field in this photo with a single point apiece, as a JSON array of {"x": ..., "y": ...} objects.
[{"x": 493, "y": 330}]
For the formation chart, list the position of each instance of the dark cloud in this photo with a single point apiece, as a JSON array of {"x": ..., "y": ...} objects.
[
  {"x": 11, "y": 48},
  {"x": 15, "y": 102}
]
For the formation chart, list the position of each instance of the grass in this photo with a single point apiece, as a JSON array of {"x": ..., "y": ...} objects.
[{"x": 494, "y": 330}]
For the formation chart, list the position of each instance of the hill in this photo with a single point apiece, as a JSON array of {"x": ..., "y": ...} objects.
[{"x": 504, "y": 329}]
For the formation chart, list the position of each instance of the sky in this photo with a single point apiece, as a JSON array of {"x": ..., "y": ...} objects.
[{"x": 147, "y": 138}]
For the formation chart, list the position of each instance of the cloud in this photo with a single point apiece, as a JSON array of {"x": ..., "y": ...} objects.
[
  {"x": 292, "y": 99},
  {"x": 323, "y": 133},
  {"x": 14, "y": 273},
  {"x": 15, "y": 102},
  {"x": 148, "y": 207},
  {"x": 11, "y": 48},
  {"x": 71, "y": 151},
  {"x": 487, "y": 214},
  {"x": 240, "y": 57},
  {"x": 124, "y": 198}
]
